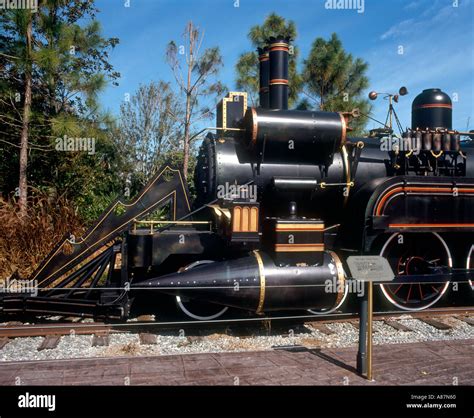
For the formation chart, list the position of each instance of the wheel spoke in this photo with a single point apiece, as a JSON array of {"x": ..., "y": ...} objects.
[{"x": 398, "y": 288}]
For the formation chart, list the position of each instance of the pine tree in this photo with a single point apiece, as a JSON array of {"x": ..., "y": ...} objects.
[
  {"x": 335, "y": 81},
  {"x": 56, "y": 61}
]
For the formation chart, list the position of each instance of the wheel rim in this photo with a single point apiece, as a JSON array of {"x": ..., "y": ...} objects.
[
  {"x": 335, "y": 308},
  {"x": 202, "y": 311},
  {"x": 342, "y": 275},
  {"x": 411, "y": 255},
  {"x": 469, "y": 264}
]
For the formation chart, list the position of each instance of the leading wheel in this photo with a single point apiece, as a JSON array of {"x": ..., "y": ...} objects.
[
  {"x": 470, "y": 264},
  {"x": 200, "y": 311},
  {"x": 336, "y": 269},
  {"x": 415, "y": 253}
]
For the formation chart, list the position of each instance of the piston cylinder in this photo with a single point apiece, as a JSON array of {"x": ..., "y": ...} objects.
[{"x": 294, "y": 135}]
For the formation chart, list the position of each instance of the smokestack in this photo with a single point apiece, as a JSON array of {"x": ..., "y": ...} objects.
[
  {"x": 263, "y": 58},
  {"x": 278, "y": 82}
]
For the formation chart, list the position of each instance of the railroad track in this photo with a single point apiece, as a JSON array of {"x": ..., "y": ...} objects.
[{"x": 17, "y": 329}]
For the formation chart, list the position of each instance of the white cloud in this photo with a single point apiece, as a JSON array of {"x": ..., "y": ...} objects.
[
  {"x": 402, "y": 28},
  {"x": 437, "y": 53}
]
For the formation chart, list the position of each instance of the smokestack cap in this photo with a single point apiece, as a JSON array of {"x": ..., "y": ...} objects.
[{"x": 278, "y": 41}]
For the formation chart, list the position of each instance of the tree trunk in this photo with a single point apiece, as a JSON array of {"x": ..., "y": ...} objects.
[
  {"x": 187, "y": 123},
  {"x": 23, "y": 185}
]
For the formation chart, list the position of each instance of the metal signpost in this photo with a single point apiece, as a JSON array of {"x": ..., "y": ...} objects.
[{"x": 368, "y": 269}]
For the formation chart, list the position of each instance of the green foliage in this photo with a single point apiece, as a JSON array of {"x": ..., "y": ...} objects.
[
  {"x": 149, "y": 126},
  {"x": 335, "y": 81},
  {"x": 247, "y": 65},
  {"x": 69, "y": 64}
]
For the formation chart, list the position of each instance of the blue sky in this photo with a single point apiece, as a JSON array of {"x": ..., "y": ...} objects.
[{"x": 437, "y": 39}]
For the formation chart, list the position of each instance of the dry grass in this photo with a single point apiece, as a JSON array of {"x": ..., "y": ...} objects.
[
  {"x": 311, "y": 342},
  {"x": 129, "y": 349},
  {"x": 25, "y": 242}
]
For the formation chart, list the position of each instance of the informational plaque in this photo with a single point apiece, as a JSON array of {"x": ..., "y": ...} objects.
[{"x": 370, "y": 268}]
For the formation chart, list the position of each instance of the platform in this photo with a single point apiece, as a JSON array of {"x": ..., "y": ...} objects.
[{"x": 427, "y": 363}]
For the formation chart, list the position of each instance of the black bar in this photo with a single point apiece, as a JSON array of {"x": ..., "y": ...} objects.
[
  {"x": 362, "y": 353},
  {"x": 239, "y": 401}
]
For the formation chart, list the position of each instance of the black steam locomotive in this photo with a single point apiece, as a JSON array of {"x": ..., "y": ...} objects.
[{"x": 283, "y": 198}]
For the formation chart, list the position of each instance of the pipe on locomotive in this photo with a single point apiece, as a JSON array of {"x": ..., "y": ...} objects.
[
  {"x": 264, "y": 77},
  {"x": 278, "y": 82}
]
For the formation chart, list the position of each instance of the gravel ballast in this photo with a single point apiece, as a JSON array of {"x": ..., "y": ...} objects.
[{"x": 128, "y": 344}]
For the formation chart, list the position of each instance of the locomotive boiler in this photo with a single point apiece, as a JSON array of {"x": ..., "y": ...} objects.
[{"x": 283, "y": 198}]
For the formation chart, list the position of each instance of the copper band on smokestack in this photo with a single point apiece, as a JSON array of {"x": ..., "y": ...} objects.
[
  {"x": 278, "y": 82},
  {"x": 264, "y": 61}
]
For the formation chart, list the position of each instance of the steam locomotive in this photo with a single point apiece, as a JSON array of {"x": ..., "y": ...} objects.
[{"x": 283, "y": 198}]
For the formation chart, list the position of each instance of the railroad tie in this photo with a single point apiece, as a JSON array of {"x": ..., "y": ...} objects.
[
  {"x": 467, "y": 319},
  {"x": 146, "y": 318},
  {"x": 355, "y": 323},
  {"x": 100, "y": 340},
  {"x": 13, "y": 324},
  {"x": 398, "y": 326},
  {"x": 3, "y": 342},
  {"x": 323, "y": 328},
  {"x": 436, "y": 324},
  {"x": 147, "y": 339},
  {"x": 49, "y": 342}
]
